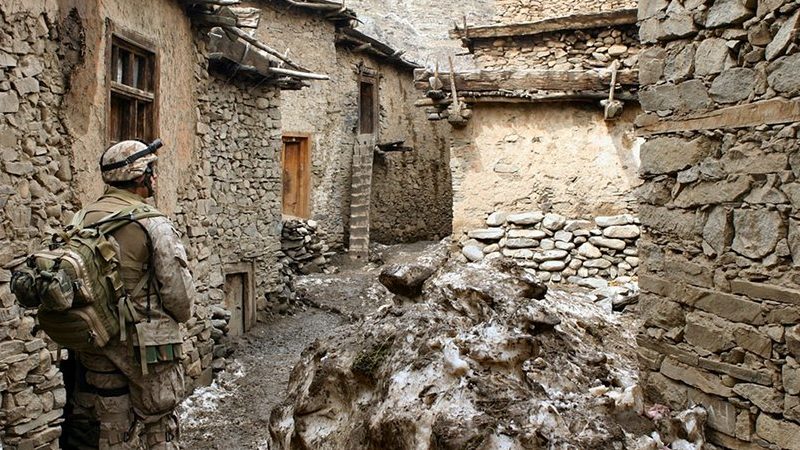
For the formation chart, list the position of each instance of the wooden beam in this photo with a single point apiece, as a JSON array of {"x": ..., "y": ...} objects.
[
  {"x": 132, "y": 92},
  {"x": 527, "y": 80},
  {"x": 773, "y": 111},
  {"x": 590, "y": 96},
  {"x": 573, "y": 22}
]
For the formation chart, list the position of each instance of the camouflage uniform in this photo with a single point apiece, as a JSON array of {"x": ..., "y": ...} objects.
[{"x": 113, "y": 385}]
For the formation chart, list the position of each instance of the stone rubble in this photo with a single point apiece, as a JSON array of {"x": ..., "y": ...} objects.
[
  {"x": 518, "y": 11},
  {"x": 557, "y": 248}
]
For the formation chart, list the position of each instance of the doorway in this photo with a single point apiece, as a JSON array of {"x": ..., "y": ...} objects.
[
  {"x": 296, "y": 162},
  {"x": 239, "y": 297}
]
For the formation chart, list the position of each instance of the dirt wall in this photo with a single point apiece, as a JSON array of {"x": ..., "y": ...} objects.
[
  {"x": 720, "y": 253},
  {"x": 560, "y": 157}
]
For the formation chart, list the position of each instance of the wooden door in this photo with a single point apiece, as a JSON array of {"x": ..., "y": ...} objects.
[
  {"x": 235, "y": 301},
  {"x": 296, "y": 176}
]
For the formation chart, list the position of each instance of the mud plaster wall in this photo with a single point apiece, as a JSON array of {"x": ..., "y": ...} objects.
[
  {"x": 562, "y": 50},
  {"x": 517, "y": 11},
  {"x": 551, "y": 156},
  {"x": 327, "y": 111},
  {"x": 719, "y": 278}
]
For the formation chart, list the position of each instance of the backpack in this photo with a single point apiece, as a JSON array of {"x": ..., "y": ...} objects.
[{"x": 76, "y": 284}]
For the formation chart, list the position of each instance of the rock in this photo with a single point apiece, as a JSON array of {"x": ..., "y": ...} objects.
[
  {"x": 756, "y": 232},
  {"x": 767, "y": 6},
  {"x": 562, "y": 236},
  {"x": 576, "y": 225},
  {"x": 615, "y": 244},
  {"x": 728, "y": 12},
  {"x": 597, "y": 263},
  {"x": 521, "y": 243},
  {"x": 523, "y": 253},
  {"x": 679, "y": 65},
  {"x": 785, "y": 434},
  {"x": 783, "y": 37},
  {"x": 622, "y": 232},
  {"x": 609, "y": 221},
  {"x": 26, "y": 86},
  {"x": 733, "y": 85},
  {"x": 707, "y": 332},
  {"x": 552, "y": 266},
  {"x": 718, "y": 231},
  {"x": 472, "y": 253},
  {"x": 712, "y": 56},
  {"x": 670, "y": 154},
  {"x": 791, "y": 376},
  {"x": 554, "y": 222},
  {"x": 547, "y": 244},
  {"x": 663, "y": 97},
  {"x": 792, "y": 338},
  {"x": 593, "y": 283},
  {"x": 407, "y": 279},
  {"x": 549, "y": 255},
  {"x": 526, "y": 234},
  {"x": 759, "y": 34},
  {"x": 487, "y": 234},
  {"x": 589, "y": 251},
  {"x": 794, "y": 240},
  {"x": 714, "y": 192},
  {"x": 650, "y": 8},
  {"x": 651, "y": 65},
  {"x": 529, "y": 218},
  {"x": 783, "y": 74},
  {"x": 9, "y": 102},
  {"x": 693, "y": 96},
  {"x": 496, "y": 219},
  {"x": 617, "y": 50}
]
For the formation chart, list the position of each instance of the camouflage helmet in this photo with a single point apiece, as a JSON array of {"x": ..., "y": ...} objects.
[{"x": 127, "y": 160}]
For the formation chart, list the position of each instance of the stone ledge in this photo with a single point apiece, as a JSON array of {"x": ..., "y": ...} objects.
[{"x": 766, "y": 291}]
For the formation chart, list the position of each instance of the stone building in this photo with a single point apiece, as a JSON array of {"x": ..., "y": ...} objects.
[
  {"x": 535, "y": 131},
  {"x": 206, "y": 79},
  {"x": 719, "y": 87}
]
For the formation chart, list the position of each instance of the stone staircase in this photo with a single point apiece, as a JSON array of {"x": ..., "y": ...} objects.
[{"x": 361, "y": 191}]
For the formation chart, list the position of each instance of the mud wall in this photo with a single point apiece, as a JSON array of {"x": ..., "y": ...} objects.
[
  {"x": 559, "y": 157},
  {"x": 562, "y": 50},
  {"x": 327, "y": 112},
  {"x": 518, "y": 11},
  {"x": 720, "y": 251}
]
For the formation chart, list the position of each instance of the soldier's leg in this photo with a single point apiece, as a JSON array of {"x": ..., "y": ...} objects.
[
  {"x": 112, "y": 404},
  {"x": 162, "y": 433}
]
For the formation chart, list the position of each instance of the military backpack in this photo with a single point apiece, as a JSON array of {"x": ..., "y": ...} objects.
[{"x": 75, "y": 281}]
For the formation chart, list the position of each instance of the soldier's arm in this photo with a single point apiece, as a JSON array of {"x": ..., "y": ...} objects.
[{"x": 172, "y": 269}]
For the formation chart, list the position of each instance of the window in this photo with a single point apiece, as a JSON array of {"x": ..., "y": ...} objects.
[
  {"x": 132, "y": 89},
  {"x": 367, "y": 105}
]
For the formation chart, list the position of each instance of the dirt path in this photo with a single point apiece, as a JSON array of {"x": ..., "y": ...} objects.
[{"x": 233, "y": 413}]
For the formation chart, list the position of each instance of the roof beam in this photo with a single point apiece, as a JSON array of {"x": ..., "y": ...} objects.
[
  {"x": 573, "y": 22},
  {"x": 528, "y": 80}
]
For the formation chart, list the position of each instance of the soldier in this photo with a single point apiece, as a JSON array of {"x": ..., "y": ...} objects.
[{"x": 132, "y": 387}]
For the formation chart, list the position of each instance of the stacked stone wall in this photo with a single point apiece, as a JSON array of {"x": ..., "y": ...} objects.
[
  {"x": 720, "y": 208},
  {"x": 561, "y": 50},
  {"x": 35, "y": 198},
  {"x": 519, "y": 11},
  {"x": 557, "y": 248}
]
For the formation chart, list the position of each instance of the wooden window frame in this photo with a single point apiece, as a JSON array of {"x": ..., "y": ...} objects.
[
  {"x": 134, "y": 43},
  {"x": 305, "y": 138}
]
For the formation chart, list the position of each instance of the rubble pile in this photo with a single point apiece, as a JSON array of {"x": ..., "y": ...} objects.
[
  {"x": 303, "y": 246},
  {"x": 483, "y": 359},
  {"x": 204, "y": 347},
  {"x": 558, "y": 249},
  {"x": 563, "y": 50}
]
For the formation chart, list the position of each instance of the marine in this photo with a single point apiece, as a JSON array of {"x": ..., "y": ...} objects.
[{"x": 131, "y": 386}]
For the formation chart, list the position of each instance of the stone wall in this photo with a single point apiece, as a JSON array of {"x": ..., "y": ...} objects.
[
  {"x": 327, "y": 112},
  {"x": 561, "y": 50},
  {"x": 558, "y": 157},
  {"x": 34, "y": 198},
  {"x": 557, "y": 248},
  {"x": 518, "y": 11},
  {"x": 720, "y": 251}
]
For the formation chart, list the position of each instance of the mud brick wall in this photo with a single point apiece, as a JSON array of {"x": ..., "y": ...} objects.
[
  {"x": 719, "y": 208},
  {"x": 561, "y": 50},
  {"x": 517, "y": 11},
  {"x": 35, "y": 173}
]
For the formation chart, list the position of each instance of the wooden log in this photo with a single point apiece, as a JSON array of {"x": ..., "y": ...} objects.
[
  {"x": 262, "y": 46},
  {"x": 553, "y": 80},
  {"x": 590, "y": 96},
  {"x": 773, "y": 111},
  {"x": 573, "y": 22}
]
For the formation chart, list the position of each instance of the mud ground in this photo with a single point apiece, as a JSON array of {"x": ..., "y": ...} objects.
[{"x": 233, "y": 413}]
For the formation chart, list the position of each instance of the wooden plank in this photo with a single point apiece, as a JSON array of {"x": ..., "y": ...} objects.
[
  {"x": 555, "y": 80},
  {"x": 573, "y": 22},
  {"x": 589, "y": 96},
  {"x": 773, "y": 111}
]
